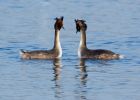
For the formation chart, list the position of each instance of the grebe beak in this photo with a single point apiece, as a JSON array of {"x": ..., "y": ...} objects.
[{"x": 63, "y": 27}]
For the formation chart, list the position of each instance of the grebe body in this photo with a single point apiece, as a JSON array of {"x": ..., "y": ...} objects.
[
  {"x": 84, "y": 52},
  {"x": 55, "y": 52}
]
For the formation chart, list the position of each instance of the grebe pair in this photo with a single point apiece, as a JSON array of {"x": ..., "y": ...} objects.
[{"x": 83, "y": 51}]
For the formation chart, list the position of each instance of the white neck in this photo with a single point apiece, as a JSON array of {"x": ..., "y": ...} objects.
[
  {"x": 57, "y": 44},
  {"x": 82, "y": 39},
  {"x": 82, "y": 43}
]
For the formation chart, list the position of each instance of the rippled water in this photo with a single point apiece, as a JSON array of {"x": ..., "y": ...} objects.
[{"x": 28, "y": 24}]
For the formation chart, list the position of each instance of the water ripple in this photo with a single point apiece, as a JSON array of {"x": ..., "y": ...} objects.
[{"x": 27, "y": 24}]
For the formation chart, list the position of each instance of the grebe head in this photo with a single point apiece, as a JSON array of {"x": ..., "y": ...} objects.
[
  {"x": 80, "y": 25},
  {"x": 59, "y": 23}
]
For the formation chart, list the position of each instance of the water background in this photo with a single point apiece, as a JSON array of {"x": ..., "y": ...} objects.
[{"x": 28, "y": 24}]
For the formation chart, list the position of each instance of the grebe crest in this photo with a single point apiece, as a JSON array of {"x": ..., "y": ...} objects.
[
  {"x": 59, "y": 23},
  {"x": 80, "y": 25}
]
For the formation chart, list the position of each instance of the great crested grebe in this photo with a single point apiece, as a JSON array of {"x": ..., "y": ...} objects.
[
  {"x": 55, "y": 52},
  {"x": 84, "y": 52}
]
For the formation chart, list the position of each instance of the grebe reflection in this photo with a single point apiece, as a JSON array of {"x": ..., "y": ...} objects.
[{"x": 57, "y": 78}]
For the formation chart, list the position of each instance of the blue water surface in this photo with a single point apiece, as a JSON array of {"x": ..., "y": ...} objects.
[{"x": 29, "y": 25}]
